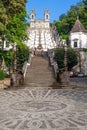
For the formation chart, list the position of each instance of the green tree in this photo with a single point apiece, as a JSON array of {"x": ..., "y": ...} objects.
[
  {"x": 13, "y": 24},
  {"x": 22, "y": 56},
  {"x": 84, "y": 2},
  {"x": 8, "y": 56},
  {"x": 59, "y": 57},
  {"x": 3, "y": 21},
  {"x": 71, "y": 58},
  {"x": 83, "y": 14},
  {"x": 2, "y": 75},
  {"x": 14, "y": 20},
  {"x": 62, "y": 16},
  {"x": 66, "y": 21}
]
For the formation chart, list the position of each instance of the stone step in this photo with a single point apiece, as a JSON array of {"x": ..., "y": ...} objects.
[
  {"x": 38, "y": 88},
  {"x": 39, "y": 74},
  {"x": 38, "y": 84}
]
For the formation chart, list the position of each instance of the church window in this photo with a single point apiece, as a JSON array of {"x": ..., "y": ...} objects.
[
  {"x": 46, "y": 16},
  {"x": 32, "y": 16}
]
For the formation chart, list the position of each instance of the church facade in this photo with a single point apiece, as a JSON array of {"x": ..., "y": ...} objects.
[{"x": 40, "y": 33}]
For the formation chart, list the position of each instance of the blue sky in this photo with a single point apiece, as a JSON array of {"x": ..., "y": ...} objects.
[{"x": 56, "y": 7}]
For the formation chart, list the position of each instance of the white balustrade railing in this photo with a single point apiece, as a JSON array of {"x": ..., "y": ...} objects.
[{"x": 26, "y": 65}]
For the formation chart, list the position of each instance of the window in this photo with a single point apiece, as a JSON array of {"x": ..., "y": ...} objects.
[
  {"x": 75, "y": 44},
  {"x": 46, "y": 16},
  {"x": 32, "y": 16}
]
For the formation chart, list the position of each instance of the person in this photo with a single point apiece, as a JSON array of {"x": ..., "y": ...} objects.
[
  {"x": 71, "y": 73},
  {"x": 35, "y": 51},
  {"x": 42, "y": 53}
]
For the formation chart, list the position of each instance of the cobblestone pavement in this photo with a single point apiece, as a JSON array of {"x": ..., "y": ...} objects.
[{"x": 61, "y": 109}]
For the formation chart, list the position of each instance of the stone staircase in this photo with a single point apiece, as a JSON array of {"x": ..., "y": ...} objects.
[
  {"x": 43, "y": 37},
  {"x": 39, "y": 74}
]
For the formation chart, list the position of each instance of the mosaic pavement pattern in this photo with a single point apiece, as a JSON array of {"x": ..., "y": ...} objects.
[{"x": 26, "y": 109}]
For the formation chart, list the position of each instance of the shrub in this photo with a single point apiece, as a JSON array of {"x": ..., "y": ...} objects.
[
  {"x": 59, "y": 57},
  {"x": 22, "y": 56},
  {"x": 71, "y": 58},
  {"x": 2, "y": 74}
]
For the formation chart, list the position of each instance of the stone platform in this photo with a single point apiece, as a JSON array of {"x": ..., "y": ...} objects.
[{"x": 40, "y": 109}]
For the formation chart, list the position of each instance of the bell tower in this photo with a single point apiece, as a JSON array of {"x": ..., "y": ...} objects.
[
  {"x": 32, "y": 15},
  {"x": 47, "y": 15}
]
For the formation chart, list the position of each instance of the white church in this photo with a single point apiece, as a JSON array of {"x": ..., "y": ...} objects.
[
  {"x": 78, "y": 36},
  {"x": 78, "y": 41},
  {"x": 40, "y": 33}
]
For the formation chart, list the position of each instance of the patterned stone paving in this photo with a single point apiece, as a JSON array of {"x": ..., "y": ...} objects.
[{"x": 60, "y": 109}]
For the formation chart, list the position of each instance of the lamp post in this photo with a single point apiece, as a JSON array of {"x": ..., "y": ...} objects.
[
  {"x": 66, "y": 82},
  {"x": 79, "y": 61},
  {"x": 65, "y": 57},
  {"x": 15, "y": 59},
  {"x": 80, "y": 46}
]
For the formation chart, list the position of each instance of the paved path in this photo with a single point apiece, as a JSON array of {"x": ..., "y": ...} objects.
[
  {"x": 25, "y": 109},
  {"x": 36, "y": 107}
]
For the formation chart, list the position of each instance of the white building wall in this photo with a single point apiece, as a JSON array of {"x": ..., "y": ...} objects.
[
  {"x": 81, "y": 39},
  {"x": 39, "y": 24}
]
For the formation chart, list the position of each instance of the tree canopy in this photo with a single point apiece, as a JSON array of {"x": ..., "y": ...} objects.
[
  {"x": 13, "y": 22},
  {"x": 72, "y": 59},
  {"x": 66, "y": 21},
  {"x": 13, "y": 29}
]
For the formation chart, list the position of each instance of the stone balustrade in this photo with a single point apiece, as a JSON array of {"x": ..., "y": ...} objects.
[
  {"x": 26, "y": 65},
  {"x": 53, "y": 63}
]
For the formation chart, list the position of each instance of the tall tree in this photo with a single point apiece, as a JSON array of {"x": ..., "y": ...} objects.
[
  {"x": 83, "y": 14},
  {"x": 71, "y": 58},
  {"x": 13, "y": 24},
  {"x": 16, "y": 26},
  {"x": 66, "y": 22},
  {"x": 3, "y": 21}
]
